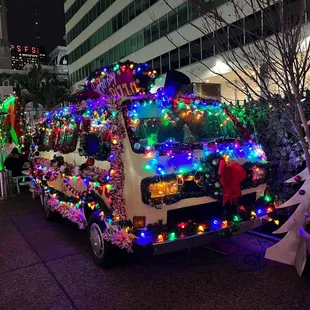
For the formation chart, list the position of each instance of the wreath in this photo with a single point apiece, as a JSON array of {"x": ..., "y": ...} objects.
[
  {"x": 210, "y": 167},
  {"x": 93, "y": 145}
]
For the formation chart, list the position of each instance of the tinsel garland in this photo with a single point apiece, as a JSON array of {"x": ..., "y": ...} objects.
[
  {"x": 75, "y": 192},
  {"x": 67, "y": 210},
  {"x": 92, "y": 173},
  {"x": 117, "y": 175},
  {"x": 119, "y": 237}
]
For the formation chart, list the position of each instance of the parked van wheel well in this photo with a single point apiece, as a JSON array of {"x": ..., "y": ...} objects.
[{"x": 102, "y": 207}]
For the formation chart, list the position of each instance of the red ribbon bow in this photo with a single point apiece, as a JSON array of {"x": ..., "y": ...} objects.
[{"x": 231, "y": 176}]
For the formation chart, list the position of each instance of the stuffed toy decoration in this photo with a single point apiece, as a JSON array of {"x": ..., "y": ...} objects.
[{"x": 231, "y": 176}]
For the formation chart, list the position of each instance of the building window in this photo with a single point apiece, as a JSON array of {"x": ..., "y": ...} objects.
[
  {"x": 221, "y": 40},
  {"x": 236, "y": 34},
  {"x": 140, "y": 38},
  {"x": 253, "y": 27},
  {"x": 114, "y": 24},
  {"x": 207, "y": 46},
  {"x": 138, "y": 7},
  {"x": 174, "y": 59},
  {"x": 150, "y": 64},
  {"x": 182, "y": 14},
  {"x": 193, "y": 12},
  {"x": 131, "y": 9},
  {"x": 156, "y": 64},
  {"x": 163, "y": 26},
  {"x": 133, "y": 42},
  {"x": 145, "y": 4},
  {"x": 147, "y": 35},
  {"x": 184, "y": 55},
  {"x": 128, "y": 47},
  {"x": 271, "y": 20},
  {"x": 125, "y": 15},
  {"x": 195, "y": 48},
  {"x": 155, "y": 32},
  {"x": 120, "y": 21},
  {"x": 173, "y": 21},
  {"x": 165, "y": 63},
  {"x": 122, "y": 50}
]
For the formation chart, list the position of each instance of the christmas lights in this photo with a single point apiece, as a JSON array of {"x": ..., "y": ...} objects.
[
  {"x": 122, "y": 80},
  {"x": 158, "y": 232},
  {"x": 186, "y": 144}
]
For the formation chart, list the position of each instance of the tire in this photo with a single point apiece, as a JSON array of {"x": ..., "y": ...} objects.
[
  {"x": 49, "y": 214},
  {"x": 102, "y": 250}
]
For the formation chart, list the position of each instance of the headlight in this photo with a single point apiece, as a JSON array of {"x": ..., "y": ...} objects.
[{"x": 162, "y": 189}]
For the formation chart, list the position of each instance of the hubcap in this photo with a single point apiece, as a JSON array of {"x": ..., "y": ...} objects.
[{"x": 96, "y": 240}]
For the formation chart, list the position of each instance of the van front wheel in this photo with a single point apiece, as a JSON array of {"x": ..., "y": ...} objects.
[{"x": 102, "y": 250}]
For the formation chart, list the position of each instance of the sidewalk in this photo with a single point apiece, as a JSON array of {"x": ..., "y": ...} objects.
[{"x": 47, "y": 265}]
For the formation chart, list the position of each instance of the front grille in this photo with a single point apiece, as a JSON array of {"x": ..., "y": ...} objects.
[{"x": 208, "y": 211}]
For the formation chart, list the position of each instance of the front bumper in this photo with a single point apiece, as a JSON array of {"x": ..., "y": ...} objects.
[{"x": 196, "y": 240}]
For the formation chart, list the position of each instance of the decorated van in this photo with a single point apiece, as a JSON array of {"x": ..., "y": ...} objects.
[{"x": 147, "y": 172}]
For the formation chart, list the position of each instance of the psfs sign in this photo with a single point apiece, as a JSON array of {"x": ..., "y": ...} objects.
[{"x": 26, "y": 49}]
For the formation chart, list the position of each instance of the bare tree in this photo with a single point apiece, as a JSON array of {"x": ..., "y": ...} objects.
[{"x": 263, "y": 43}]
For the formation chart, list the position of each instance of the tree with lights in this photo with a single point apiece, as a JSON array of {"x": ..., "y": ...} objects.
[
  {"x": 268, "y": 54},
  {"x": 40, "y": 87},
  {"x": 272, "y": 58}
]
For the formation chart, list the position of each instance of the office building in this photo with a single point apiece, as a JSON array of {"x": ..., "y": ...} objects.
[
  {"x": 23, "y": 55},
  {"x": 102, "y": 32}
]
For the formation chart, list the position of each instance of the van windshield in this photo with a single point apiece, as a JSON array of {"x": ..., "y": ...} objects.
[{"x": 183, "y": 123}]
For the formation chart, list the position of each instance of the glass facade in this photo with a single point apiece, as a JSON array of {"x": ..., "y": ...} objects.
[
  {"x": 76, "y": 5},
  {"x": 206, "y": 46},
  {"x": 149, "y": 34},
  {"x": 92, "y": 14},
  {"x": 114, "y": 24}
]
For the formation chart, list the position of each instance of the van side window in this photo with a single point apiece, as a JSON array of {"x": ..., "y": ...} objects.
[
  {"x": 43, "y": 140},
  {"x": 95, "y": 145},
  {"x": 65, "y": 137}
]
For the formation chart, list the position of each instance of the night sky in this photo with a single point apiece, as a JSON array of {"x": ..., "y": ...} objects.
[{"x": 21, "y": 22}]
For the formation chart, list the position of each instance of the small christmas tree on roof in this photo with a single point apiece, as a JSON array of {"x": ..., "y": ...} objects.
[{"x": 188, "y": 136}]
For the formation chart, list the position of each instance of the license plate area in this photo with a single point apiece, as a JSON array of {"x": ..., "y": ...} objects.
[{"x": 203, "y": 212}]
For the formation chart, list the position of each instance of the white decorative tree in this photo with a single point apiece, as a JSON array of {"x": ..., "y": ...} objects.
[{"x": 292, "y": 249}]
